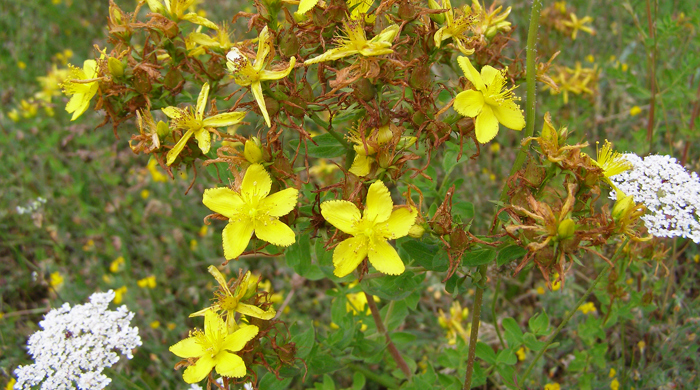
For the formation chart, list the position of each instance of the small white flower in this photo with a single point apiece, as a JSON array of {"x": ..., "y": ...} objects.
[
  {"x": 670, "y": 193},
  {"x": 76, "y": 344}
]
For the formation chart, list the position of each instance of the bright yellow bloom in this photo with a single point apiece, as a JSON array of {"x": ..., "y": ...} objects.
[
  {"x": 611, "y": 162},
  {"x": 82, "y": 84},
  {"x": 11, "y": 383},
  {"x": 359, "y": 8},
  {"x": 56, "y": 280},
  {"x": 145, "y": 194},
  {"x": 119, "y": 295},
  {"x": 615, "y": 384},
  {"x": 147, "y": 282},
  {"x": 612, "y": 373},
  {"x": 458, "y": 24},
  {"x": 521, "y": 354},
  {"x": 362, "y": 164},
  {"x": 214, "y": 348},
  {"x": 155, "y": 324},
  {"x": 453, "y": 323},
  {"x": 552, "y": 386},
  {"x": 246, "y": 74},
  {"x": 251, "y": 210},
  {"x": 195, "y": 124},
  {"x": 230, "y": 302},
  {"x": 587, "y": 307},
  {"x": 176, "y": 10},
  {"x": 575, "y": 24},
  {"x": 490, "y": 104},
  {"x": 354, "y": 41},
  {"x": 156, "y": 175},
  {"x": 635, "y": 110},
  {"x": 489, "y": 22},
  {"x": 116, "y": 265},
  {"x": 371, "y": 230},
  {"x": 219, "y": 42},
  {"x": 252, "y": 152},
  {"x": 51, "y": 83}
]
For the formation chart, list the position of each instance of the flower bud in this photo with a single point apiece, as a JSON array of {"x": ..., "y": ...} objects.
[
  {"x": 623, "y": 204},
  {"x": 162, "y": 129},
  {"x": 252, "y": 151},
  {"x": 116, "y": 68},
  {"x": 289, "y": 43},
  {"x": 416, "y": 231},
  {"x": 364, "y": 89},
  {"x": 566, "y": 229},
  {"x": 406, "y": 10},
  {"x": 437, "y": 18}
]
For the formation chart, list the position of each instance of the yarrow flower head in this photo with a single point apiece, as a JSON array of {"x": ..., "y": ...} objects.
[
  {"x": 371, "y": 230},
  {"x": 77, "y": 343},
  {"x": 252, "y": 210},
  {"x": 490, "y": 103},
  {"x": 670, "y": 193}
]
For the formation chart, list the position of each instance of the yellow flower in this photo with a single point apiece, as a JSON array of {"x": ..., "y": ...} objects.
[
  {"x": 354, "y": 41},
  {"x": 575, "y": 24},
  {"x": 147, "y": 282},
  {"x": 521, "y": 354},
  {"x": 193, "y": 244},
  {"x": 170, "y": 325},
  {"x": 219, "y": 42},
  {"x": 176, "y": 9},
  {"x": 362, "y": 164},
  {"x": 358, "y": 10},
  {"x": 615, "y": 384},
  {"x": 370, "y": 231},
  {"x": 11, "y": 383},
  {"x": 246, "y": 74},
  {"x": 156, "y": 175},
  {"x": 489, "y": 22},
  {"x": 119, "y": 295},
  {"x": 203, "y": 230},
  {"x": 540, "y": 290},
  {"x": 587, "y": 307},
  {"x": 453, "y": 323},
  {"x": 116, "y": 265},
  {"x": 252, "y": 211},
  {"x": 21, "y": 65},
  {"x": 155, "y": 324},
  {"x": 252, "y": 152},
  {"x": 490, "y": 104},
  {"x": 635, "y": 110},
  {"x": 51, "y": 83},
  {"x": 195, "y": 124},
  {"x": 215, "y": 347},
  {"x": 612, "y": 373},
  {"x": 611, "y": 162},
  {"x": 552, "y": 386},
  {"x": 458, "y": 24},
  {"x": 556, "y": 284},
  {"x": 56, "y": 280},
  {"x": 82, "y": 84},
  {"x": 145, "y": 194}
]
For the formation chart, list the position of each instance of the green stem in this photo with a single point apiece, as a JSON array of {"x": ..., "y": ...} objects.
[
  {"x": 389, "y": 344},
  {"x": 474, "y": 335},
  {"x": 583, "y": 298},
  {"x": 493, "y": 313},
  {"x": 349, "y": 151},
  {"x": 380, "y": 379}
]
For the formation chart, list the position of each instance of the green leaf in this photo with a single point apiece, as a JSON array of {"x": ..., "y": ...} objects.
[
  {"x": 513, "y": 334},
  {"x": 269, "y": 381},
  {"x": 397, "y": 316},
  {"x": 478, "y": 257},
  {"x": 304, "y": 341},
  {"x": 507, "y": 357},
  {"x": 510, "y": 253},
  {"x": 393, "y": 287},
  {"x": 465, "y": 210},
  {"x": 539, "y": 324},
  {"x": 485, "y": 353},
  {"x": 326, "y": 146},
  {"x": 424, "y": 254},
  {"x": 532, "y": 343},
  {"x": 298, "y": 255},
  {"x": 358, "y": 381}
]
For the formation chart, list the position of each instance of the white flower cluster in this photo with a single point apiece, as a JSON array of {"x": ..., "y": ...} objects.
[
  {"x": 76, "y": 344},
  {"x": 31, "y": 206},
  {"x": 670, "y": 193}
]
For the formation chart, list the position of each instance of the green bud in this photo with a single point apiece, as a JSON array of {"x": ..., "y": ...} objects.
[
  {"x": 622, "y": 206},
  {"x": 416, "y": 231},
  {"x": 252, "y": 151},
  {"x": 116, "y": 68},
  {"x": 162, "y": 129},
  {"x": 437, "y": 18},
  {"x": 566, "y": 229}
]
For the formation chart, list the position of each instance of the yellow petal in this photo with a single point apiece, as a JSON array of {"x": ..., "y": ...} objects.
[
  {"x": 306, "y": 6},
  {"x": 187, "y": 348},
  {"x": 509, "y": 115},
  {"x": 277, "y": 74},
  {"x": 470, "y": 73},
  {"x": 275, "y": 232},
  {"x": 213, "y": 324},
  {"x": 256, "y": 89},
  {"x": 77, "y": 105},
  {"x": 225, "y": 119},
  {"x": 254, "y": 311},
  {"x": 280, "y": 203},
  {"x": 175, "y": 151},
  {"x": 202, "y": 100},
  {"x": 488, "y": 74},
  {"x": 256, "y": 184},
  {"x": 238, "y": 339},
  {"x": 400, "y": 222},
  {"x": 236, "y": 236},
  {"x": 203, "y": 140},
  {"x": 224, "y": 201},
  {"x": 469, "y": 103},
  {"x": 379, "y": 203},
  {"x": 172, "y": 112},
  {"x": 219, "y": 277},
  {"x": 200, "y": 370},
  {"x": 156, "y": 6},
  {"x": 375, "y": 50},
  {"x": 348, "y": 255},
  {"x": 385, "y": 259},
  {"x": 196, "y": 19},
  {"x": 230, "y": 365},
  {"x": 361, "y": 165},
  {"x": 332, "y": 54},
  {"x": 90, "y": 69},
  {"x": 387, "y": 35},
  {"x": 264, "y": 47},
  {"x": 486, "y": 125},
  {"x": 341, "y": 214}
]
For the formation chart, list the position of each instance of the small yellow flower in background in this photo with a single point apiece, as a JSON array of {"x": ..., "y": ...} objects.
[
  {"x": 56, "y": 280},
  {"x": 458, "y": 24},
  {"x": 214, "y": 347},
  {"x": 11, "y": 383},
  {"x": 119, "y": 295},
  {"x": 116, "y": 265},
  {"x": 552, "y": 386},
  {"x": 556, "y": 284},
  {"x": 453, "y": 323},
  {"x": 155, "y": 324},
  {"x": 624, "y": 67},
  {"x": 2, "y": 315},
  {"x": 490, "y": 22},
  {"x": 371, "y": 230},
  {"x": 230, "y": 301},
  {"x": 490, "y": 104},
  {"x": 641, "y": 345},
  {"x": 322, "y": 168},
  {"x": 147, "y": 282},
  {"x": 176, "y": 10},
  {"x": 587, "y": 307},
  {"x": 540, "y": 290},
  {"x": 354, "y": 41},
  {"x": 203, "y": 230},
  {"x": 522, "y": 354},
  {"x": 590, "y": 58},
  {"x": 615, "y": 384},
  {"x": 193, "y": 244},
  {"x": 21, "y": 64},
  {"x": 560, "y": 6},
  {"x": 195, "y": 124},
  {"x": 14, "y": 115},
  {"x": 696, "y": 258},
  {"x": 277, "y": 297},
  {"x": 82, "y": 84},
  {"x": 612, "y": 373},
  {"x": 629, "y": 281},
  {"x": 156, "y": 174},
  {"x": 576, "y": 24},
  {"x": 635, "y": 110},
  {"x": 182, "y": 175},
  {"x": 495, "y": 147},
  {"x": 170, "y": 325},
  {"x": 145, "y": 194},
  {"x": 246, "y": 74},
  {"x": 250, "y": 210},
  {"x": 219, "y": 42},
  {"x": 108, "y": 279}
]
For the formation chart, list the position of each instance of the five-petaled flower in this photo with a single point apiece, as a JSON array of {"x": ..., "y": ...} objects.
[
  {"x": 176, "y": 9},
  {"x": 246, "y": 74},
  {"x": 355, "y": 42},
  {"x": 214, "y": 348},
  {"x": 195, "y": 124},
  {"x": 230, "y": 302},
  {"x": 83, "y": 85},
  {"x": 371, "y": 230},
  {"x": 251, "y": 210},
  {"x": 458, "y": 25},
  {"x": 490, "y": 104}
]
